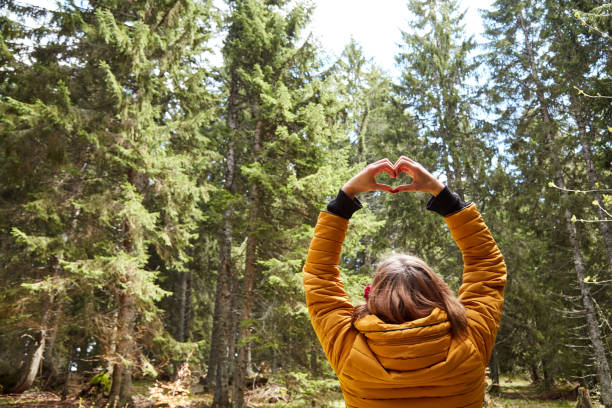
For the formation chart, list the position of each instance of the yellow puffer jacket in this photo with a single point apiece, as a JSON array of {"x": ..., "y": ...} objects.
[{"x": 414, "y": 364}]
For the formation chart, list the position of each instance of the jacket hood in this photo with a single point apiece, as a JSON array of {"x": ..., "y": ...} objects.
[{"x": 408, "y": 346}]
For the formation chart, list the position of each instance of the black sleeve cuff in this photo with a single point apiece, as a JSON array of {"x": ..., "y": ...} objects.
[
  {"x": 446, "y": 203},
  {"x": 343, "y": 206}
]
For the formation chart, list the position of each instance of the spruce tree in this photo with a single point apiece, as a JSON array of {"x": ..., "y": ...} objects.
[
  {"x": 436, "y": 62},
  {"x": 280, "y": 119},
  {"x": 437, "y": 66},
  {"x": 580, "y": 60},
  {"x": 121, "y": 151},
  {"x": 543, "y": 154},
  {"x": 365, "y": 92}
]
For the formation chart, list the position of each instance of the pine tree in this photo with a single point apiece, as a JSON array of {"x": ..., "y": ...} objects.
[
  {"x": 574, "y": 65},
  {"x": 518, "y": 37},
  {"x": 436, "y": 62},
  {"x": 282, "y": 119},
  {"x": 577, "y": 65},
  {"x": 122, "y": 180},
  {"x": 437, "y": 65},
  {"x": 365, "y": 92}
]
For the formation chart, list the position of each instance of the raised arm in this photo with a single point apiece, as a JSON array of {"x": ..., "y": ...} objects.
[
  {"x": 484, "y": 272},
  {"x": 329, "y": 307},
  {"x": 484, "y": 277}
]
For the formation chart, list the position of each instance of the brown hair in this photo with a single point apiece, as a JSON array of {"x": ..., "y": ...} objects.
[{"x": 405, "y": 288}]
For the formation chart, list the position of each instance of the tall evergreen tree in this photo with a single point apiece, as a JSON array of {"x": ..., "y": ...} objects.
[
  {"x": 519, "y": 35},
  {"x": 583, "y": 64},
  {"x": 122, "y": 184},
  {"x": 437, "y": 64},
  {"x": 282, "y": 118},
  {"x": 365, "y": 92},
  {"x": 438, "y": 68}
]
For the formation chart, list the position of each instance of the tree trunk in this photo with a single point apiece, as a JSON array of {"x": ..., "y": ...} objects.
[
  {"x": 450, "y": 174},
  {"x": 249, "y": 361},
  {"x": 29, "y": 368},
  {"x": 121, "y": 379},
  {"x": 219, "y": 359},
  {"x": 248, "y": 282},
  {"x": 535, "y": 374},
  {"x": 314, "y": 364},
  {"x": 215, "y": 346},
  {"x": 233, "y": 337},
  {"x": 603, "y": 369},
  {"x": 188, "y": 306},
  {"x": 601, "y": 361},
  {"x": 457, "y": 172},
  {"x": 361, "y": 133},
  {"x": 240, "y": 373},
  {"x": 53, "y": 375},
  {"x": 182, "y": 302},
  {"x": 35, "y": 347},
  {"x": 549, "y": 376},
  {"x": 181, "y": 295},
  {"x": 579, "y": 116},
  {"x": 121, "y": 388},
  {"x": 112, "y": 345},
  {"x": 451, "y": 166},
  {"x": 494, "y": 368},
  {"x": 584, "y": 398}
]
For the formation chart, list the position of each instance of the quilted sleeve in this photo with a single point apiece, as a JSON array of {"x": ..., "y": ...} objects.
[
  {"x": 484, "y": 277},
  {"x": 329, "y": 307}
]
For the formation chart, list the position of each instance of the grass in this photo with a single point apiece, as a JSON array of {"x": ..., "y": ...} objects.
[
  {"x": 339, "y": 403},
  {"x": 518, "y": 392},
  {"x": 513, "y": 403},
  {"x": 297, "y": 390}
]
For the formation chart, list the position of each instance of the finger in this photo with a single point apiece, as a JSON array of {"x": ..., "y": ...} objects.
[
  {"x": 406, "y": 166},
  {"x": 399, "y": 163},
  {"x": 406, "y": 187},
  {"x": 384, "y": 187},
  {"x": 376, "y": 163},
  {"x": 386, "y": 167},
  {"x": 404, "y": 158},
  {"x": 381, "y": 160},
  {"x": 393, "y": 173}
]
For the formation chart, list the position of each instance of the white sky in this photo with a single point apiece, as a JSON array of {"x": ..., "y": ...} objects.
[{"x": 375, "y": 25}]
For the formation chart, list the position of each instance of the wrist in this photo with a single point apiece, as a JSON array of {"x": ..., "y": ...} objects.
[
  {"x": 349, "y": 191},
  {"x": 343, "y": 205},
  {"x": 437, "y": 188}
]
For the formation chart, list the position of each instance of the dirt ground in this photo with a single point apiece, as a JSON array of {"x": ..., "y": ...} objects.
[{"x": 514, "y": 393}]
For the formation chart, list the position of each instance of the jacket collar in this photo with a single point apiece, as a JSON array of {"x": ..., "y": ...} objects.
[
  {"x": 408, "y": 346},
  {"x": 373, "y": 324}
]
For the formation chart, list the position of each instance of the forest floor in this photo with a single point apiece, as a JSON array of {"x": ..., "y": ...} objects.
[
  {"x": 521, "y": 393},
  {"x": 300, "y": 392}
]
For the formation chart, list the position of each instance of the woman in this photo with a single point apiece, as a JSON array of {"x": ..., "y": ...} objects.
[{"x": 413, "y": 344}]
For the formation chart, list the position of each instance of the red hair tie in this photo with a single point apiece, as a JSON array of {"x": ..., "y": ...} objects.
[{"x": 366, "y": 292}]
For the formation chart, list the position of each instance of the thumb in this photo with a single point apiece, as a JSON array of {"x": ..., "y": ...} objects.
[
  {"x": 384, "y": 187},
  {"x": 406, "y": 187}
]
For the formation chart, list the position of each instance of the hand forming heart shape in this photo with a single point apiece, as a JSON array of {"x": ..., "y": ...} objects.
[
  {"x": 422, "y": 180},
  {"x": 399, "y": 178}
]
